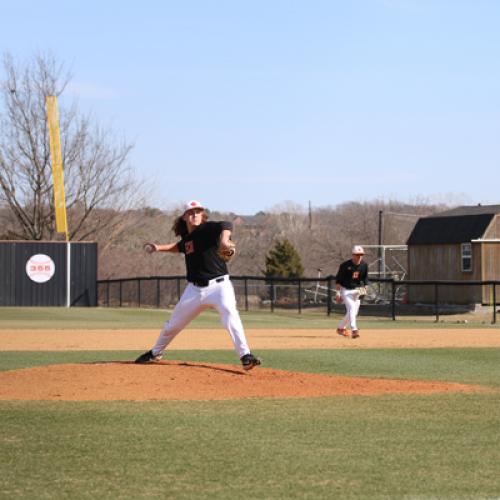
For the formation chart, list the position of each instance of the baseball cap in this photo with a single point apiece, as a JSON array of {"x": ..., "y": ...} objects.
[
  {"x": 192, "y": 204},
  {"x": 358, "y": 250}
]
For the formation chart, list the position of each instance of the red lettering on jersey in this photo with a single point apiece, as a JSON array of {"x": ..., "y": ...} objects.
[
  {"x": 189, "y": 247},
  {"x": 355, "y": 275}
]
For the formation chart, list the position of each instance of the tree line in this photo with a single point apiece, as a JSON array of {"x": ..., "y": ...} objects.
[
  {"x": 311, "y": 240},
  {"x": 103, "y": 196}
]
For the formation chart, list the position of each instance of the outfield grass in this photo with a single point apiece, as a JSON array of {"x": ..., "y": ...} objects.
[
  {"x": 131, "y": 319},
  {"x": 356, "y": 447}
]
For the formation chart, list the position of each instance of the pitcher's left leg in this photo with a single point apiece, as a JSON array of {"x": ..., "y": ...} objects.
[
  {"x": 223, "y": 299},
  {"x": 357, "y": 303}
]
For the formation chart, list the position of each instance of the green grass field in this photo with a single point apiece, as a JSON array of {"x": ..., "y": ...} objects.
[
  {"x": 359, "y": 447},
  {"x": 131, "y": 319}
]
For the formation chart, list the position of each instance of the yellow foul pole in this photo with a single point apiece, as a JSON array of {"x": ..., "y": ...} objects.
[
  {"x": 57, "y": 165},
  {"x": 58, "y": 182}
]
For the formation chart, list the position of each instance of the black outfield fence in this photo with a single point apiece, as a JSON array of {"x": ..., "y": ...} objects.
[
  {"x": 386, "y": 297},
  {"x": 48, "y": 273}
]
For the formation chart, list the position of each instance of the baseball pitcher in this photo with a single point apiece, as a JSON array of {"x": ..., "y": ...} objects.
[{"x": 207, "y": 248}]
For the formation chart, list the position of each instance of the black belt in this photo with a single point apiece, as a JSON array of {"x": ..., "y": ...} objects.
[{"x": 203, "y": 283}]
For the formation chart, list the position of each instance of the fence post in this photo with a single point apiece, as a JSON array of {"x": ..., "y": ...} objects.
[
  {"x": 393, "y": 299},
  {"x": 107, "y": 295},
  {"x": 300, "y": 296},
  {"x": 178, "y": 289},
  {"x": 139, "y": 293},
  {"x": 246, "y": 294},
  {"x": 158, "y": 293},
  {"x": 329, "y": 296},
  {"x": 436, "y": 301},
  {"x": 272, "y": 295},
  {"x": 120, "y": 292},
  {"x": 494, "y": 286}
]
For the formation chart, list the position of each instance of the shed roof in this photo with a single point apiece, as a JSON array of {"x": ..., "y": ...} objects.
[{"x": 459, "y": 225}]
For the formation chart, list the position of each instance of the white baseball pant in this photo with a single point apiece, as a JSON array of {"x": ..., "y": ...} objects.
[
  {"x": 194, "y": 300},
  {"x": 352, "y": 303}
]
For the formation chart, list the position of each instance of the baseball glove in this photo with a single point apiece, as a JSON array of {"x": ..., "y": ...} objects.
[
  {"x": 226, "y": 252},
  {"x": 149, "y": 247},
  {"x": 362, "y": 291}
]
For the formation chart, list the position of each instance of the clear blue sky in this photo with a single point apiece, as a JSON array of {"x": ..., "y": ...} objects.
[{"x": 245, "y": 104}]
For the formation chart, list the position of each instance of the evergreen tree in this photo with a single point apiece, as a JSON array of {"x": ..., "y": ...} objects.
[{"x": 283, "y": 260}]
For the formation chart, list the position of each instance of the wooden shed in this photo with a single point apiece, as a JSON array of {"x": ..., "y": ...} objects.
[{"x": 459, "y": 244}]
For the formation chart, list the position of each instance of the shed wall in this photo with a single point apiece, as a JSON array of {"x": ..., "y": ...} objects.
[
  {"x": 490, "y": 257},
  {"x": 493, "y": 231},
  {"x": 443, "y": 262}
]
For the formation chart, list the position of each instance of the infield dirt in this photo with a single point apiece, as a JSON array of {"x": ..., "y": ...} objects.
[
  {"x": 96, "y": 340},
  {"x": 205, "y": 381}
]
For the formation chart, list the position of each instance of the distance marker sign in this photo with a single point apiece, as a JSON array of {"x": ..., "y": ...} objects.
[{"x": 40, "y": 268}]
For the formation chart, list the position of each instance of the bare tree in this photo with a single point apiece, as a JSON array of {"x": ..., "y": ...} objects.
[{"x": 96, "y": 170}]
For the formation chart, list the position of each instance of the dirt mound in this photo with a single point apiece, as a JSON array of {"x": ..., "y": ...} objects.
[{"x": 171, "y": 380}]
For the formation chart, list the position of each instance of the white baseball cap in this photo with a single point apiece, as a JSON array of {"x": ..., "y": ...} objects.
[
  {"x": 358, "y": 250},
  {"x": 192, "y": 204}
]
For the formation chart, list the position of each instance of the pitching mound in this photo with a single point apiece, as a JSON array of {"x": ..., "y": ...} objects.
[{"x": 171, "y": 380}]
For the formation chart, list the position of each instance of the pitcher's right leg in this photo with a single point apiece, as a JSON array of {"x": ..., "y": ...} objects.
[{"x": 188, "y": 307}]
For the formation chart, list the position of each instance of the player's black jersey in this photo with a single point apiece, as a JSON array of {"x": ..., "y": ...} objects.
[
  {"x": 351, "y": 276},
  {"x": 200, "y": 251}
]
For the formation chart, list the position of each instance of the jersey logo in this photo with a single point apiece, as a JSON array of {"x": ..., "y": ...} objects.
[
  {"x": 355, "y": 275},
  {"x": 189, "y": 247}
]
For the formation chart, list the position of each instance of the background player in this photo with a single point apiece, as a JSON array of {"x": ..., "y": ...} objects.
[
  {"x": 351, "y": 280},
  {"x": 208, "y": 282}
]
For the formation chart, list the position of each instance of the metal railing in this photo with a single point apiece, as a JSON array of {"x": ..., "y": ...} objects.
[{"x": 387, "y": 297}]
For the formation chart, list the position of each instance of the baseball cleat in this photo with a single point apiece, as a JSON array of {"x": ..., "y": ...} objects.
[
  {"x": 147, "y": 357},
  {"x": 343, "y": 332},
  {"x": 355, "y": 334},
  {"x": 249, "y": 361}
]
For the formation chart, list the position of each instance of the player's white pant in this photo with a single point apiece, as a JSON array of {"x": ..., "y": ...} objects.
[
  {"x": 352, "y": 303},
  {"x": 195, "y": 299}
]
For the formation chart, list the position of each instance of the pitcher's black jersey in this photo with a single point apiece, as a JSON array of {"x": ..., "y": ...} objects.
[{"x": 200, "y": 251}]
